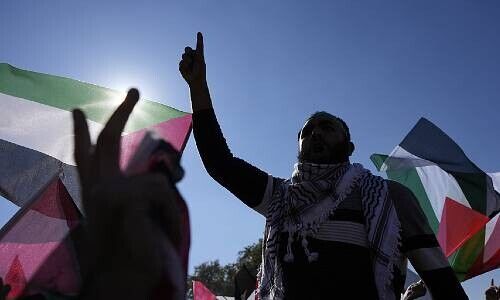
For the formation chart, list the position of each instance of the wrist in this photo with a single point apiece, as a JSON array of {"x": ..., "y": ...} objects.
[
  {"x": 198, "y": 87},
  {"x": 200, "y": 97}
]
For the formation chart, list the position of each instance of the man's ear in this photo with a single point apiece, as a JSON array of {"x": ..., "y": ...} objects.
[{"x": 351, "y": 148}]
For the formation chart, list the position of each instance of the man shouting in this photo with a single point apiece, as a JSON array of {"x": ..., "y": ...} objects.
[{"x": 333, "y": 230}]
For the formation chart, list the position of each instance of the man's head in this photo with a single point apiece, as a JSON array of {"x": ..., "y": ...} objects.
[{"x": 324, "y": 139}]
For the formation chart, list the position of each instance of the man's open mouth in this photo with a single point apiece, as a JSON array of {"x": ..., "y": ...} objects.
[{"x": 318, "y": 147}]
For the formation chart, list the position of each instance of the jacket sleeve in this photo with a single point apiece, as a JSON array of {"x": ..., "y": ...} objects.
[
  {"x": 420, "y": 245},
  {"x": 245, "y": 181}
]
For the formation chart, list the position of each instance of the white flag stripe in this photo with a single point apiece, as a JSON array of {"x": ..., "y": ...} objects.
[
  {"x": 405, "y": 156},
  {"x": 495, "y": 177},
  {"x": 488, "y": 231},
  {"x": 455, "y": 191},
  {"x": 436, "y": 187},
  {"x": 40, "y": 127},
  {"x": 437, "y": 183},
  {"x": 489, "y": 228}
]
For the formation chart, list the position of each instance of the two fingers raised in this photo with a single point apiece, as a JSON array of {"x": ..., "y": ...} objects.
[{"x": 107, "y": 151}]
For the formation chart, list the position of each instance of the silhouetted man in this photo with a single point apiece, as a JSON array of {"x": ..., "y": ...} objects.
[{"x": 333, "y": 228}]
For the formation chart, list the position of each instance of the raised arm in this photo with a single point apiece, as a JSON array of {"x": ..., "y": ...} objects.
[
  {"x": 421, "y": 247},
  {"x": 245, "y": 181}
]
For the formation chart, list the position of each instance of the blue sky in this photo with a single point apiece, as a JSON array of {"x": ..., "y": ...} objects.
[{"x": 380, "y": 65}]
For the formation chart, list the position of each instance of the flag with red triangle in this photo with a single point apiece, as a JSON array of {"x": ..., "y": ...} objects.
[
  {"x": 36, "y": 136},
  {"x": 461, "y": 202},
  {"x": 36, "y": 248},
  {"x": 38, "y": 172}
]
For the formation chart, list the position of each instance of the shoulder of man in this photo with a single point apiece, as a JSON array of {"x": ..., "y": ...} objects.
[
  {"x": 404, "y": 200},
  {"x": 408, "y": 209},
  {"x": 398, "y": 190}
]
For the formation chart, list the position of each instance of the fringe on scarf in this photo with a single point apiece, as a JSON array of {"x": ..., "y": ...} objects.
[{"x": 327, "y": 186}]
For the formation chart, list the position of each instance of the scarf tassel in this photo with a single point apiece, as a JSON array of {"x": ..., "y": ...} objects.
[
  {"x": 311, "y": 256},
  {"x": 289, "y": 253}
]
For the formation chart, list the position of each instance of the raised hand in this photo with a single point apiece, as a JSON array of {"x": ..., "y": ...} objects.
[
  {"x": 193, "y": 70},
  {"x": 128, "y": 219},
  {"x": 415, "y": 290},
  {"x": 192, "y": 65}
]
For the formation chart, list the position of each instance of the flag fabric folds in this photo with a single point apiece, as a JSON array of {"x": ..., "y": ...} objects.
[
  {"x": 461, "y": 202},
  {"x": 36, "y": 248},
  {"x": 38, "y": 172},
  {"x": 36, "y": 132}
]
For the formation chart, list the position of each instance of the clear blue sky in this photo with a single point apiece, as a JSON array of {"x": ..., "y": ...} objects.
[{"x": 380, "y": 65}]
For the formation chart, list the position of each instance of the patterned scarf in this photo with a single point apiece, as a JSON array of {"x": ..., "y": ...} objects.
[{"x": 301, "y": 204}]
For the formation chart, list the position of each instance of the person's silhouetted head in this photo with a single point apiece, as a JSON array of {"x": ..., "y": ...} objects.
[{"x": 324, "y": 139}]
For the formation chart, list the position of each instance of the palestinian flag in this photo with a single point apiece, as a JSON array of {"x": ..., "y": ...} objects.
[
  {"x": 38, "y": 172},
  {"x": 37, "y": 250},
  {"x": 36, "y": 135},
  {"x": 461, "y": 202}
]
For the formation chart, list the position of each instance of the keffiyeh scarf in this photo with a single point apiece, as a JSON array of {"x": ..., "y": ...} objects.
[{"x": 301, "y": 204}]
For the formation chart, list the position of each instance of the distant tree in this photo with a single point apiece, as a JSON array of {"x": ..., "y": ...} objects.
[
  {"x": 250, "y": 256},
  {"x": 220, "y": 278}
]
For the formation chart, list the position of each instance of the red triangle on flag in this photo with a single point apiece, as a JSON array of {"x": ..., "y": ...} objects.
[
  {"x": 458, "y": 224},
  {"x": 201, "y": 292},
  {"x": 56, "y": 202},
  {"x": 15, "y": 278}
]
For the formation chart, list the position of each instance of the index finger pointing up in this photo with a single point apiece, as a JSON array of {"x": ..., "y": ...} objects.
[{"x": 199, "y": 43}]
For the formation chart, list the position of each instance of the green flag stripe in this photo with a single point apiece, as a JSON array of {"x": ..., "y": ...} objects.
[
  {"x": 463, "y": 259},
  {"x": 97, "y": 102},
  {"x": 378, "y": 160},
  {"x": 410, "y": 178}
]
